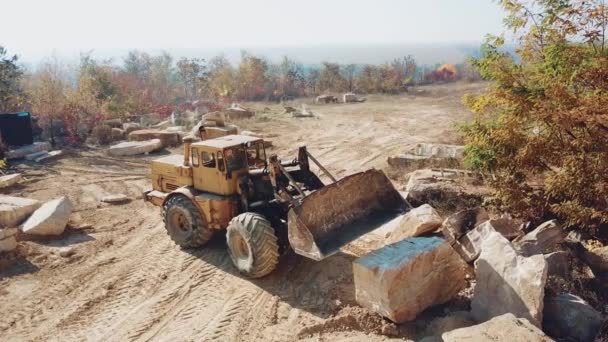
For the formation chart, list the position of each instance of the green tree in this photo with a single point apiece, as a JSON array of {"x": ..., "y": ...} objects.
[
  {"x": 331, "y": 78},
  {"x": 192, "y": 73},
  {"x": 541, "y": 128},
  {"x": 12, "y": 96}
]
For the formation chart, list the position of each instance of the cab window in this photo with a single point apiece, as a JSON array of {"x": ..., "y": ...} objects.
[
  {"x": 220, "y": 161},
  {"x": 208, "y": 159},
  {"x": 194, "y": 157},
  {"x": 236, "y": 159}
]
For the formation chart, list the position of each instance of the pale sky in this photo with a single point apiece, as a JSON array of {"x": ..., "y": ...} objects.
[{"x": 36, "y": 26}]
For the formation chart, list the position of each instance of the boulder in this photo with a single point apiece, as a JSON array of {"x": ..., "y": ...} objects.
[
  {"x": 508, "y": 282},
  {"x": 425, "y": 182},
  {"x": 469, "y": 245},
  {"x": 236, "y": 112},
  {"x": 416, "y": 222},
  {"x": 13, "y": 210},
  {"x": 129, "y": 127},
  {"x": 558, "y": 264},
  {"x": 541, "y": 238},
  {"x": 175, "y": 129},
  {"x": 403, "y": 279},
  {"x": 459, "y": 230},
  {"x": 167, "y": 138},
  {"x": 131, "y": 148},
  {"x": 50, "y": 219},
  {"x": 149, "y": 119},
  {"x": 597, "y": 259},
  {"x": 102, "y": 134},
  {"x": 567, "y": 316},
  {"x": 216, "y": 132},
  {"x": 28, "y": 149},
  {"x": 349, "y": 98},
  {"x": 113, "y": 123},
  {"x": 7, "y": 239},
  {"x": 10, "y": 180},
  {"x": 428, "y": 154},
  {"x": 506, "y": 328}
]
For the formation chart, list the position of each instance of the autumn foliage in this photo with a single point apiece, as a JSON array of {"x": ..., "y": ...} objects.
[{"x": 541, "y": 129}]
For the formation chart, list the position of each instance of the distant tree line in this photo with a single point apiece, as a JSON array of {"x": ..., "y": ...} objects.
[{"x": 143, "y": 83}]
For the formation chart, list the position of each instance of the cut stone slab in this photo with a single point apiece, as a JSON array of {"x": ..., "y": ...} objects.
[
  {"x": 50, "y": 219},
  {"x": 48, "y": 156},
  {"x": 403, "y": 279},
  {"x": 416, "y": 222},
  {"x": 28, "y": 149},
  {"x": 10, "y": 180},
  {"x": 597, "y": 259},
  {"x": 569, "y": 317},
  {"x": 115, "y": 198},
  {"x": 508, "y": 282},
  {"x": 131, "y": 148},
  {"x": 8, "y": 244},
  {"x": 507, "y": 328},
  {"x": 13, "y": 210},
  {"x": 542, "y": 237}
]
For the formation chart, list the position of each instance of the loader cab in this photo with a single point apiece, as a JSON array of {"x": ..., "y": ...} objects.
[{"x": 217, "y": 164}]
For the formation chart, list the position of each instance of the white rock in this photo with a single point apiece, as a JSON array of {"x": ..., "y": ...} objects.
[
  {"x": 401, "y": 280},
  {"x": 570, "y": 317},
  {"x": 542, "y": 237},
  {"x": 508, "y": 282},
  {"x": 48, "y": 156},
  {"x": 50, "y": 219},
  {"x": 13, "y": 210},
  {"x": 33, "y": 156},
  {"x": 416, "y": 222},
  {"x": 28, "y": 149},
  {"x": 115, "y": 198},
  {"x": 66, "y": 251},
  {"x": 131, "y": 148},
  {"x": 505, "y": 328},
  {"x": 10, "y": 180}
]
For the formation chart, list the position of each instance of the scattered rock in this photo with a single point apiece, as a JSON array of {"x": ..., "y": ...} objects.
[
  {"x": 349, "y": 97},
  {"x": 543, "y": 237},
  {"x": 28, "y": 149},
  {"x": 502, "y": 328},
  {"x": 429, "y": 154},
  {"x": 459, "y": 230},
  {"x": 428, "y": 182},
  {"x": 597, "y": 259},
  {"x": 33, "y": 156},
  {"x": 416, "y": 222},
  {"x": 131, "y": 148},
  {"x": 508, "y": 282},
  {"x": 129, "y": 127},
  {"x": 66, "y": 251},
  {"x": 236, "y": 112},
  {"x": 13, "y": 210},
  {"x": 50, "y": 219},
  {"x": 118, "y": 134},
  {"x": 115, "y": 198},
  {"x": 149, "y": 119},
  {"x": 326, "y": 99},
  {"x": 216, "y": 132},
  {"x": 558, "y": 264},
  {"x": 7, "y": 239},
  {"x": 10, "y": 180},
  {"x": 570, "y": 317},
  {"x": 48, "y": 156},
  {"x": 102, "y": 134},
  {"x": 403, "y": 279}
]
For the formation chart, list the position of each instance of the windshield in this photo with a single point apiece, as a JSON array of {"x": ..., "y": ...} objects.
[
  {"x": 256, "y": 151},
  {"x": 236, "y": 158}
]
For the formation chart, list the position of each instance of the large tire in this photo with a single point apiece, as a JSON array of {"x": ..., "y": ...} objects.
[
  {"x": 252, "y": 245},
  {"x": 184, "y": 223}
]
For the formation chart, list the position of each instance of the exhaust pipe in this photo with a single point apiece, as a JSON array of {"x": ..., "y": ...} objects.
[{"x": 187, "y": 143}]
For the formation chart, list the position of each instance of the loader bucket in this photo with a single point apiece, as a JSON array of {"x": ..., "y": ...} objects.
[{"x": 339, "y": 213}]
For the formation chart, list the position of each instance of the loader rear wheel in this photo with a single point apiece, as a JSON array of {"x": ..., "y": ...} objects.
[
  {"x": 252, "y": 245},
  {"x": 184, "y": 223}
]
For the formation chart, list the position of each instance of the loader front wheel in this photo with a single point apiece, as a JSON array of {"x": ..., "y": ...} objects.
[
  {"x": 184, "y": 223},
  {"x": 252, "y": 245}
]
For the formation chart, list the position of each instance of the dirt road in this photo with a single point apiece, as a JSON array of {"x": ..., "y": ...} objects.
[{"x": 127, "y": 281}]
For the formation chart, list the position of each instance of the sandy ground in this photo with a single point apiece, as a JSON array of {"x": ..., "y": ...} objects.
[{"x": 127, "y": 281}]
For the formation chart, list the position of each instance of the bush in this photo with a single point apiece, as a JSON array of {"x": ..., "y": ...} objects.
[{"x": 541, "y": 128}]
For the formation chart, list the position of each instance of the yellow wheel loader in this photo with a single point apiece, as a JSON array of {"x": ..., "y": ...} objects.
[{"x": 265, "y": 204}]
